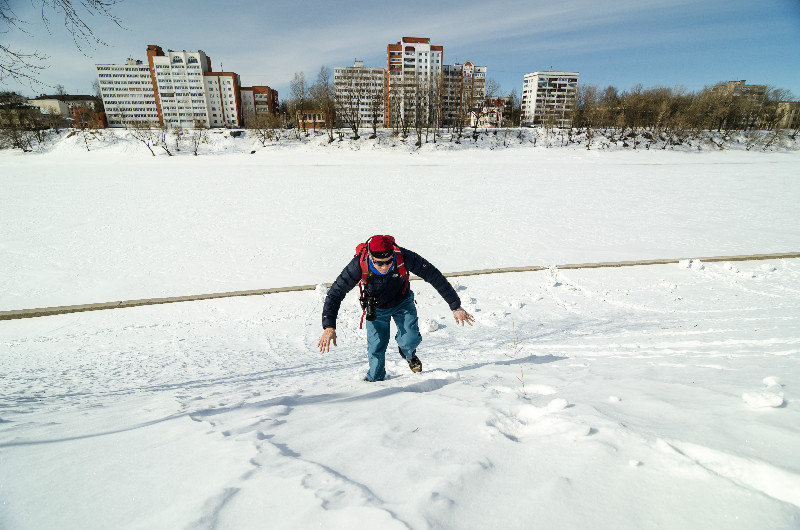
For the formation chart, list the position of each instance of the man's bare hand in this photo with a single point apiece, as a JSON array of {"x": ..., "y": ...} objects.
[
  {"x": 325, "y": 341},
  {"x": 462, "y": 316}
]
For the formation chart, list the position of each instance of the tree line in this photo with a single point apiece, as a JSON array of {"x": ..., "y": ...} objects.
[
  {"x": 675, "y": 113},
  {"x": 417, "y": 104}
]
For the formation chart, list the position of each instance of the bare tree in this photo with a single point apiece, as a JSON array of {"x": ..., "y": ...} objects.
[
  {"x": 298, "y": 88},
  {"x": 198, "y": 136},
  {"x": 585, "y": 114},
  {"x": 377, "y": 105},
  {"x": 436, "y": 104},
  {"x": 162, "y": 138},
  {"x": 26, "y": 65},
  {"x": 179, "y": 133},
  {"x": 397, "y": 116},
  {"x": 482, "y": 103},
  {"x": 21, "y": 125},
  {"x": 143, "y": 132},
  {"x": 419, "y": 99},
  {"x": 350, "y": 94},
  {"x": 324, "y": 98},
  {"x": 263, "y": 126}
]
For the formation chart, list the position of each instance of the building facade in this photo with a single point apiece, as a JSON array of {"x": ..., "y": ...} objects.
[
  {"x": 418, "y": 80},
  {"x": 463, "y": 92},
  {"x": 495, "y": 112},
  {"x": 128, "y": 93},
  {"x": 258, "y": 101},
  {"x": 62, "y": 104},
  {"x": 177, "y": 89},
  {"x": 413, "y": 65},
  {"x": 360, "y": 94},
  {"x": 789, "y": 114},
  {"x": 311, "y": 119},
  {"x": 741, "y": 89},
  {"x": 548, "y": 98}
]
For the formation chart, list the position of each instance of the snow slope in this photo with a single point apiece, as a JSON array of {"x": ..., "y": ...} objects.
[
  {"x": 654, "y": 397},
  {"x": 116, "y": 223},
  {"x": 650, "y": 402}
]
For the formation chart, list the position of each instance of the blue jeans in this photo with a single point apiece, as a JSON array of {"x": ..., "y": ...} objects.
[{"x": 407, "y": 337}]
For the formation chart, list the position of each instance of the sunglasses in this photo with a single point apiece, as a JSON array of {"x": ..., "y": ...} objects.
[{"x": 382, "y": 263}]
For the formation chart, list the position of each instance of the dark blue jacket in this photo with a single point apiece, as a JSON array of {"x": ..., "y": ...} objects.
[{"x": 388, "y": 288}]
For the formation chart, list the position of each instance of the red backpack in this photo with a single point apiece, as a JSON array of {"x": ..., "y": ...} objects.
[{"x": 362, "y": 252}]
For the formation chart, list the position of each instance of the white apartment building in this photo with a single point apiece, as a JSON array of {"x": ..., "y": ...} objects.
[
  {"x": 181, "y": 96},
  {"x": 411, "y": 63},
  {"x": 127, "y": 92},
  {"x": 189, "y": 93},
  {"x": 360, "y": 94},
  {"x": 176, "y": 89},
  {"x": 548, "y": 98}
]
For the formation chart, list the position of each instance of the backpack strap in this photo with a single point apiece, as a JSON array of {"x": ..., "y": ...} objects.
[
  {"x": 401, "y": 268},
  {"x": 362, "y": 252}
]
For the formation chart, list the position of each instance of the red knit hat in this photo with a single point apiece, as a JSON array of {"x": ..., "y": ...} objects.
[{"x": 381, "y": 246}]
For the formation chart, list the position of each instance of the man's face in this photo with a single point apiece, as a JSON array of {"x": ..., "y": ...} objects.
[{"x": 382, "y": 264}]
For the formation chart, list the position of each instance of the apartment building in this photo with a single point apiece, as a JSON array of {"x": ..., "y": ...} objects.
[
  {"x": 412, "y": 63},
  {"x": 258, "y": 101},
  {"x": 742, "y": 89},
  {"x": 62, "y": 104},
  {"x": 493, "y": 113},
  {"x": 360, "y": 94},
  {"x": 463, "y": 91},
  {"x": 548, "y": 98},
  {"x": 128, "y": 93},
  {"x": 177, "y": 89},
  {"x": 789, "y": 112}
]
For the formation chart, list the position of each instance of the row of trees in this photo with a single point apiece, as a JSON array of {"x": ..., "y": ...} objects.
[
  {"x": 720, "y": 108},
  {"x": 427, "y": 107}
]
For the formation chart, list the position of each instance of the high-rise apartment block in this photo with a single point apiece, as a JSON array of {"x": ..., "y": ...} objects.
[
  {"x": 414, "y": 55},
  {"x": 463, "y": 90},
  {"x": 415, "y": 66},
  {"x": 178, "y": 89},
  {"x": 548, "y": 98},
  {"x": 128, "y": 93},
  {"x": 360, "y": 94}
]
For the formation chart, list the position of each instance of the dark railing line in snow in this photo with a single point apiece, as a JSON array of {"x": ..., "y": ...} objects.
[{"x": 61, "y": 310}]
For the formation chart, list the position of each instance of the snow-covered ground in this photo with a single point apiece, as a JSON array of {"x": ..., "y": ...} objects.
[
  {"x": 116, "y": 223},
  {"x": 654, "y": 397}
]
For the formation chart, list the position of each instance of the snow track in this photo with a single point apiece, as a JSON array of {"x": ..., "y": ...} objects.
[{"x": 650, "y": 398}]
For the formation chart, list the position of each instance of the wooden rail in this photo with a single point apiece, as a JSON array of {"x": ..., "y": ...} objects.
[{"x": 60, "y": 310}]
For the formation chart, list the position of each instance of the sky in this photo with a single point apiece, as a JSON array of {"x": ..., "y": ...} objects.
[{"x": 686, "y": 43}]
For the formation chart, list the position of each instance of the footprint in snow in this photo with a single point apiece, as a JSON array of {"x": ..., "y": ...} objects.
[
  {"x": 771, "y": 396},
  {"x": 530, "y": 420},
  {"x": 693, "y": 264},
  {"x": 429, "y": 325}
]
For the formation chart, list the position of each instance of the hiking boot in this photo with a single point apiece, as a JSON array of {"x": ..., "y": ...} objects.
[{"x": 415, "y": 364}]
